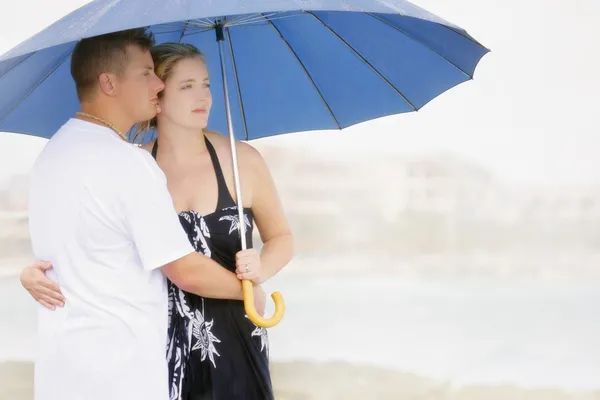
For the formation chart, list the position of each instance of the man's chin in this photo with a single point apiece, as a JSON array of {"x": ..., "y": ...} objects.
[{"x": 151, "y": 113}]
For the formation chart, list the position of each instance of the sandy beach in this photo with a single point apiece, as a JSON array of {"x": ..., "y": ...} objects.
[{"x": 331, "y": 381}]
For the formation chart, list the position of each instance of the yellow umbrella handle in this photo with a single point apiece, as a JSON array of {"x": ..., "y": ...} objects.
[{"x": 248, "y": 289}]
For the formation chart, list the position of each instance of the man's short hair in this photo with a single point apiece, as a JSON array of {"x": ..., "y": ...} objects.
[{"x": 105, "y": 53}]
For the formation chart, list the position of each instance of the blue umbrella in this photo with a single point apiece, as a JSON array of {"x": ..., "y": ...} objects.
[{"x": 284, "y": 65}]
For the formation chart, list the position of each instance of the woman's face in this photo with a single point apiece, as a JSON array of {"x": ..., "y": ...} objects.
[{"x": 186, "y": 99}]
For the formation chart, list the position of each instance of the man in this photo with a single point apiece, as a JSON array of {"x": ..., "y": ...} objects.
[{"x": 101, "y": 214}]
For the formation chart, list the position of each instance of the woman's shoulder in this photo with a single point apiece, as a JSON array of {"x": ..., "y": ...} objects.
[{"x": 246, "y": 152}]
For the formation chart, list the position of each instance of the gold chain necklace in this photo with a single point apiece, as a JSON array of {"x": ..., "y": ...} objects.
[{"x": 108, "y": 124}]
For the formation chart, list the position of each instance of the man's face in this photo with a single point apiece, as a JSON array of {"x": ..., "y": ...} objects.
[{"x": 138, "y": 86}]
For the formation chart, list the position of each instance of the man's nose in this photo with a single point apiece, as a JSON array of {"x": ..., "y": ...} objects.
[{"x": 160, "y": 85}]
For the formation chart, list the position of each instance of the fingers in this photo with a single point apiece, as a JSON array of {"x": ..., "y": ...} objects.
[
  {"x": 245, "y": 269},
  {"x": 52, "y": 294},
  {"x": 40, "y": 265},
  {"x": 249, "y": 261},
  {"x": 246, "y": 253},
  {"x": 47, "y": 305},
  {"x": 247, "y": 257},
  {"x": 43, "y": 265},
  {"x": 45, "y": 299},
  {"x": 250, "y": 276},
  {"x": 253, "y": 274},
  {"x": 50, "y": 285}
]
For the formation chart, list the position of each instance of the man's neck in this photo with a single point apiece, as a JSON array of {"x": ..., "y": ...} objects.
[{"x": 113, "y": 119}]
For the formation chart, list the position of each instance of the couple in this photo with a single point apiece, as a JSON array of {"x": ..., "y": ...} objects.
[{"x": 143, "y": 242}]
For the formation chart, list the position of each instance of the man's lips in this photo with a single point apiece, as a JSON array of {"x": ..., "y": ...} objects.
[{"x": 154, "y": 101}]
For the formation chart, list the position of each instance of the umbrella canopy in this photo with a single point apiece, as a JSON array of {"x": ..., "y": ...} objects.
[
  {"x": 282, "y": 66},
  {"x": 291, "y": 65}
]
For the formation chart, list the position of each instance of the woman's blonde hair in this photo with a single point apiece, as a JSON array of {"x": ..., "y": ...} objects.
[{"x": 165, "y": 57}]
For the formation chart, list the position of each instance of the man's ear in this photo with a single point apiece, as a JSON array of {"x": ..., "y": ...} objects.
[{"x": 107, "y": 84}]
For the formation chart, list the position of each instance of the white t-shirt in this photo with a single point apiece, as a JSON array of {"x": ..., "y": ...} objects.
[{"x": 100, "y": 212}]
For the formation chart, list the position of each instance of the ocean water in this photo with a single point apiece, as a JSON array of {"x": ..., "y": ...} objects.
[{"x": 464, "y": 332}]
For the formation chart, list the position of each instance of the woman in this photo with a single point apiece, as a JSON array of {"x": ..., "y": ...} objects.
[{"x": 214, "y": 350}]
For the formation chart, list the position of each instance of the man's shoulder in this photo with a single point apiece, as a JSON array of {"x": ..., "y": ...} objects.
[
  {"x": 142, "y": 159},
  {"x": 138, "y": 169}
]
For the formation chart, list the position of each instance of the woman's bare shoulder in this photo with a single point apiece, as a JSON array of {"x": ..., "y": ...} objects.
[
  {"x": 216, "y": 138},
  {"x": 246, "y": 152}
]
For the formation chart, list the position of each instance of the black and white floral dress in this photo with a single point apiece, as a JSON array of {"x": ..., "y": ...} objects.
[{"x": 214, "y": 351}]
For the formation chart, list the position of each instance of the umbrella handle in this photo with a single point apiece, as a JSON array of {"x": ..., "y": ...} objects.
[{"x": 248, "y": 289}]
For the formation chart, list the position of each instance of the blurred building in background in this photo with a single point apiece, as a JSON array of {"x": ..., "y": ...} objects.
[
  {"x": 440, "y": 208},
  {"x": 433, "y": 211}
]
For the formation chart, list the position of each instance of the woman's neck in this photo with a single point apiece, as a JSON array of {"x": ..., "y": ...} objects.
[{"x": 179, "y": 144}]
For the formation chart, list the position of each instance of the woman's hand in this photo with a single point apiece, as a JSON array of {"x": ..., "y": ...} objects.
[
  {"x": 40, "y": 287},
  {"x": 249, "y": 266}
]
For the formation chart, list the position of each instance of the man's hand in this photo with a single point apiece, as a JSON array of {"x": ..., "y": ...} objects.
[{"x": 40, "y": 287}]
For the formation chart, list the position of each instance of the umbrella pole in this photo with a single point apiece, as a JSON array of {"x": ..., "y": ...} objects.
[{"x": 247, "y": 285}]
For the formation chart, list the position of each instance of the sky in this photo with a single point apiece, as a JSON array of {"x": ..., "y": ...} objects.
[{"x": 529, "y": 116}]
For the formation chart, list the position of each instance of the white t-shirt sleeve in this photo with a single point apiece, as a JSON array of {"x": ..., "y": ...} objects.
[{"x": 151, "y": 217}]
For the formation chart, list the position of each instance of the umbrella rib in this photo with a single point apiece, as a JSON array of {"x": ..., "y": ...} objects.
[
  {"x": 466, "y": 36},
  {"x": 183, "y": 31},
  {"x": 197, "y": 23},
  {"x": 17, "y": 64},
  {"x": 207, "y": 21},
  {"x": 418, "y": 41},
  {"x": 233, "y": 19},
  {"x": 244, "y": 19},
  {"x": 379, "y": 74},
  {"x": 237, "y": 84},
  {"x": 190, "y": 32},
  {"x": 257, "y": 20},
  {"x": 253, "y": 18},
  {"x": 13, "y": 108},
  {"x": 306, "y": 72}
]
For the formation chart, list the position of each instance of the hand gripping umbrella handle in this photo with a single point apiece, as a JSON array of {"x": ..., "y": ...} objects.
[{"x": 248, "y": 289}]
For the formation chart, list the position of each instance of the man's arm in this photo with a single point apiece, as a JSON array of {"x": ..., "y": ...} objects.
[
  {"x": 192, "y": 273},
  {"x": 198, "y": 274}
]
